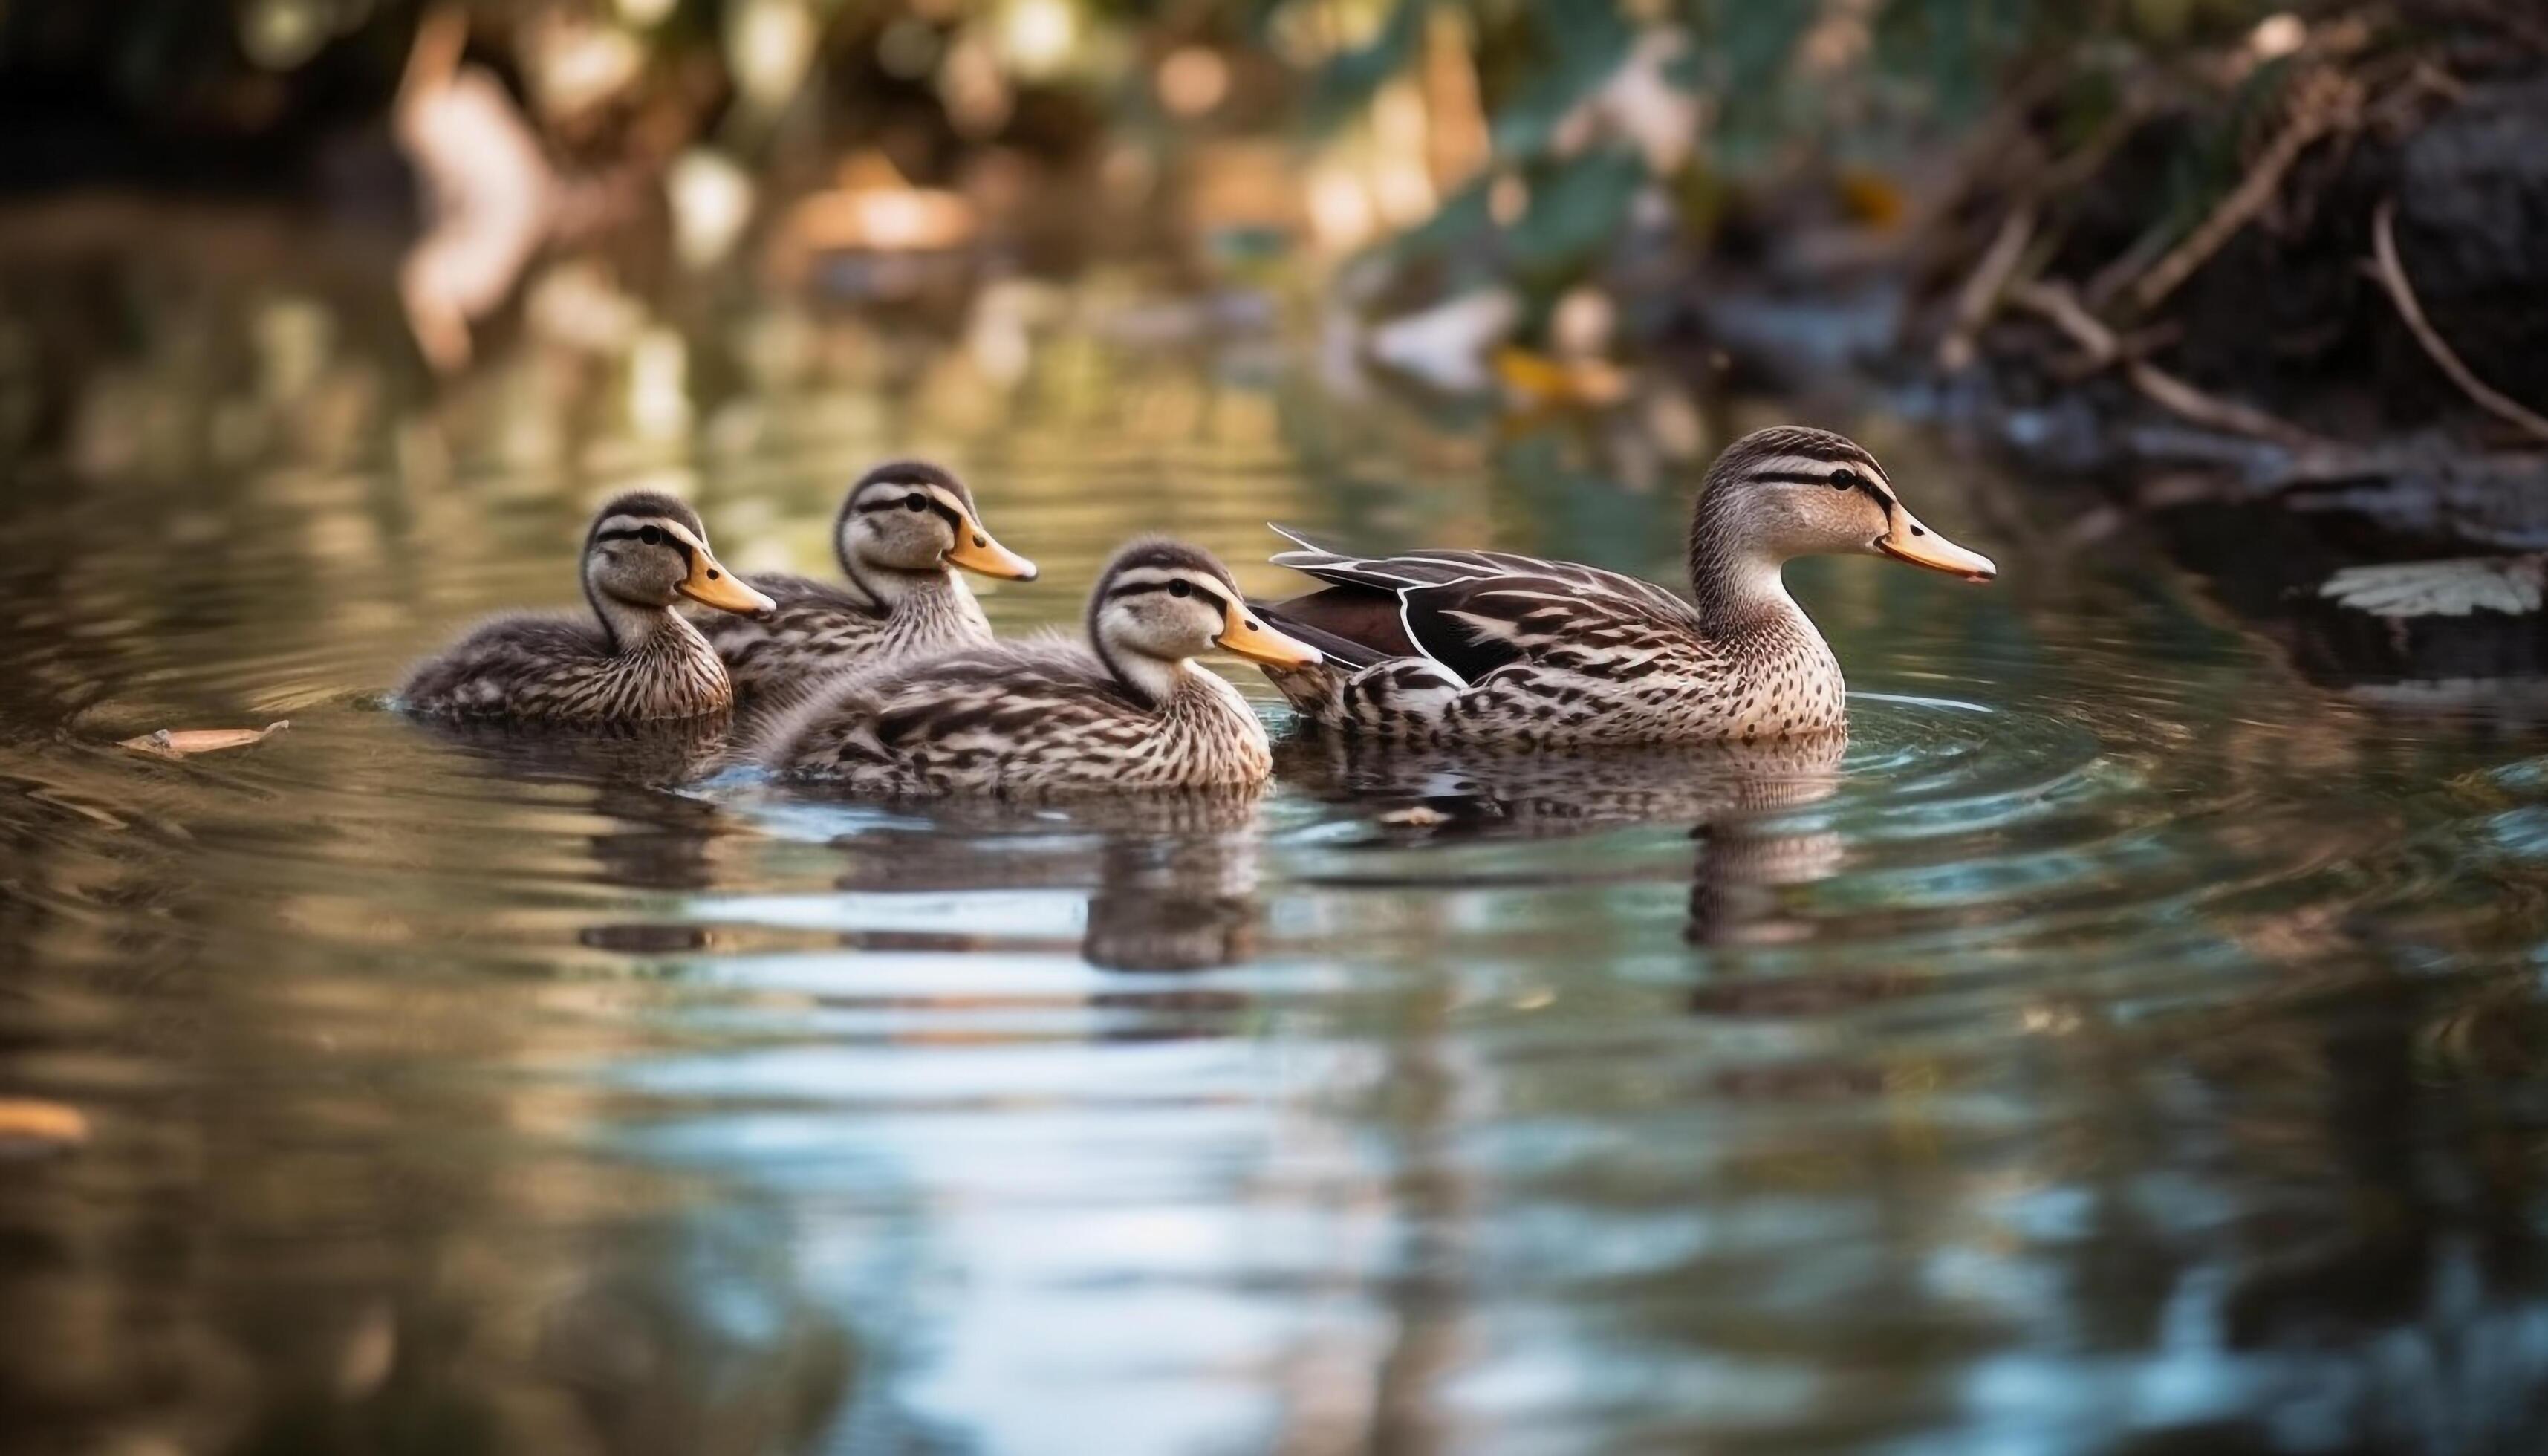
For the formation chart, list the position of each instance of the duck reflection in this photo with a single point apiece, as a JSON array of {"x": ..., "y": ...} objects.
[
  {"x": 1732, "y": 794},
  {"x": 651, "y": 754},
  {"x": 654, "y": 839},
  {"x": 1172, "y": 876}
]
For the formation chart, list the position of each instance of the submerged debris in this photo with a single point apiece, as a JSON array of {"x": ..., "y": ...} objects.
[
  {"x": 179, "y": 743},
  {"x": 2439, "y": 589}
]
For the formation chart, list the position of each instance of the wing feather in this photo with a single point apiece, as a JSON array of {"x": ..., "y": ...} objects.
[{"x": 1473, "y": 611}]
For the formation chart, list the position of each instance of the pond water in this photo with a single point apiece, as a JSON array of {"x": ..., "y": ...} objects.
[{"x": 2123, "y": 1045}]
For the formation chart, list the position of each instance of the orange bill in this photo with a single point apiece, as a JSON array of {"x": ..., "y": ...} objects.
[
  {"x": 975, "y": 551},
  {"x": 1258, "y": 642},
  {"x": 711, "y": 585},
  {"x": 1915, "y": 543}
]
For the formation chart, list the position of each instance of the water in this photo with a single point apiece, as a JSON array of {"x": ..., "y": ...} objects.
[{"x": 2126, "y": 1045}]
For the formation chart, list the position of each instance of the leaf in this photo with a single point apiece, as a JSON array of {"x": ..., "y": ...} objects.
[
  {"x": 179, "y": 743},
  {"x": 25, "y": 1122},
  {"x": 2440, "y": 588}
]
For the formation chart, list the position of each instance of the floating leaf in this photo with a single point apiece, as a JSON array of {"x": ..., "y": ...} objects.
[
  {"x": 25, "y": 1122},
  {"x": 1535, "y": 379},
  {"x": 2440, "y": 588},
  {"x": 179, "y": 743}
]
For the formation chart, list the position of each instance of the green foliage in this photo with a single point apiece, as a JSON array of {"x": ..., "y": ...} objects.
[
  {"x": 1347, "y": 83},
  {"x": 1569, "y": 51},
  {"x": 1918, "y": 63}
]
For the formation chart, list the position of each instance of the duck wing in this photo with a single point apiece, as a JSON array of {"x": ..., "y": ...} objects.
[
  {"x": 986, "y": 695},
  {"x": 503, "y": 654},
  {"x": 970, "y": 700},
  {"x": 1474, "y": 611}
]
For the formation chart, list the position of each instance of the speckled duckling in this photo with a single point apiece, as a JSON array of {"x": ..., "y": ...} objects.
[
  {"x": 1131, "y": 710},
  {"x": 638, "y": 661},
  {"x": 904, "y": 531},
  {"x": 1481, "y": 648}
]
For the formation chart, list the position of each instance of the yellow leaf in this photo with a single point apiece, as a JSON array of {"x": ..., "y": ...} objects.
[
  {"x": 178, "y": 743},
  {"x": 1871, "y": 198},
  {"x": 25, "y": 1120}
]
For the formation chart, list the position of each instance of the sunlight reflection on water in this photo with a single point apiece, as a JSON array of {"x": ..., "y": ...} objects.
[{"x": 2121, "y": 1041}]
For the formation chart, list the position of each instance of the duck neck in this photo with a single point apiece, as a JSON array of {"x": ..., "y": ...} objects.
[
  {"x": 632, "y": 626},
  {"x": 1735, "y": 581},
  {"x": 1155, "y": 682},
  {"x": 936, "y": 591}
]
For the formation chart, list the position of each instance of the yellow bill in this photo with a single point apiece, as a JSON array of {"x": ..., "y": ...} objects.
[
  {"x": 1910, "y": 541},
  {"x": 1258, "y": 642},
  {"x": 975, "y": 551},
  {"x": 711, "y": 585}
]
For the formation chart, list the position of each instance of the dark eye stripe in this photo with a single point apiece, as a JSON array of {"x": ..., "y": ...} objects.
[
  {"x": 902, "y": 502},
  {"x": 1140, "y": 589},
  {"x": 637, "y": 533},
  {"x": 1863, "y": 486}
]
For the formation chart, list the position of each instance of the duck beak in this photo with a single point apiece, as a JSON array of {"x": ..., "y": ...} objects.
[
  {"x": 711, "y": 585},
  {"x": 1910, "y": 541},
  {"x": 1258, "y": 642},
  {"x": 975, "y": 551}
]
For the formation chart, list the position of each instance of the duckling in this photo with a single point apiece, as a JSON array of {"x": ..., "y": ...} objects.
[
  {"x": 903, "y": 529},
  {"x": 1132, "y": 709},
  {"x": 645, "y": 552},
  {"x": 1482, "y": 648}
]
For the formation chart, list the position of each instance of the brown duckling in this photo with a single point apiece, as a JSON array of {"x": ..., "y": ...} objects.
[
  {"x": 903, "y": 532},
  {"x": 646, "y": 552},
  {"x": 1130, "y": 711}
]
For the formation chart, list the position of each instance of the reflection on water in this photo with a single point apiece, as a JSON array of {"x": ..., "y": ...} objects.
[{"x": 2115, "y": 1044}]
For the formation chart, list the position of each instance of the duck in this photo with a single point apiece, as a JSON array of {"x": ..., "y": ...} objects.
[
  {"x": 905, "y": 529},
  {"x": 1130, "y": 709},
  {"x": 639, "y": 660},
  {"x": 1489, "y": 649}
]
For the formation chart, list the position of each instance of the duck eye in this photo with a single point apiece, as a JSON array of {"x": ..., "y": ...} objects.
[
  {"x": 1846, "y": 480},
  {"x": 1180, "y": 589},
  {"x": 652, "y": 535},
  {"x": 914, "y": 503}
]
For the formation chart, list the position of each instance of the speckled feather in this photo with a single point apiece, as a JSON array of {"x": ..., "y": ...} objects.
[
  {"x": 557, "y": 669},
  {"x": 819, "y": 629},
  {"x": 1037, "y": 716}
]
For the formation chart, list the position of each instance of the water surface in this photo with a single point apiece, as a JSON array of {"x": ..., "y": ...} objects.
[{"x": 2122, "y": 1046}]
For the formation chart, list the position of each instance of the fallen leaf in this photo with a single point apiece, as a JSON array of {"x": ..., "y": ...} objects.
[
  {"x": 1538, "y": 379},
  {"x": 178, "y": 743},
  {"x": 24, "y": 1121},
  {"x": 2440, "y": 588},
  {"x": 1419, "y": 816},
  {"x": 1872, "y": 199}
]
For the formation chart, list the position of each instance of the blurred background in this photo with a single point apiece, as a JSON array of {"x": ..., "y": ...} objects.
[
  {"x": 2261, "y": 255},
  {"x": 2133, "y": 1040}
]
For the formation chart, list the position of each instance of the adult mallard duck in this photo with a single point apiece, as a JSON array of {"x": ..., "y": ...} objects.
[
  {"x": 1486, "y": 648},
  {"x": 903, "y": 530},
  {"x": 646, "y": 552},
  {"x": 1132, "y": 709}
]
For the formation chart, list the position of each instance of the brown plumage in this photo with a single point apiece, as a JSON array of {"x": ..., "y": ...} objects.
[
  {"x": 637, "y": 659},
  {"x": 1492, "y": 649},
  {"x": 1130, "y": 710},
  {"x": 903, "y": 531}
]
